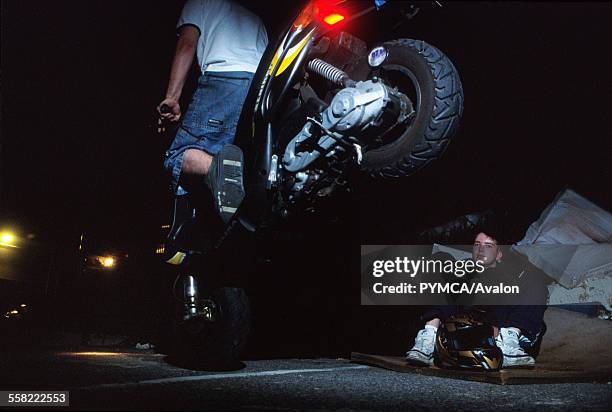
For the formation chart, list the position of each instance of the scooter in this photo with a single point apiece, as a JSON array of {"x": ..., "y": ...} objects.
[{"x": 323, "y": 106}]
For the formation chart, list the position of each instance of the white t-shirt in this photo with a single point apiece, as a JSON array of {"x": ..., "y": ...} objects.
[{"x": 231, "y": 37}]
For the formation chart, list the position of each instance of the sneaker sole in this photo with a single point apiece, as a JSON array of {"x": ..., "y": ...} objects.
[
  {"x": 521, "y": 364},
  {"x": 419, "y": 359}
]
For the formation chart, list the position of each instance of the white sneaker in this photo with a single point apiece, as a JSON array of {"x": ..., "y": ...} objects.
[
  {"x": 514, "y": 355},
  {"x": 423, "y": 349}
]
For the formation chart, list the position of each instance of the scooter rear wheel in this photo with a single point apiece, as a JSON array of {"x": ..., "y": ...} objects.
[{"x": 430, "y": 80}]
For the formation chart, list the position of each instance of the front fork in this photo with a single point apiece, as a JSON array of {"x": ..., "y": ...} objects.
[{"x": 193, "y": 306}]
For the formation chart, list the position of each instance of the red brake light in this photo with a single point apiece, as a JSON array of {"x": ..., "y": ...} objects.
[
  {"x": 333, "y": 18},
  {"x": 329, "y": 12}
]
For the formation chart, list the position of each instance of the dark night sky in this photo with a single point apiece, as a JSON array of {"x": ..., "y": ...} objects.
[{"x": 80, "y": 81}]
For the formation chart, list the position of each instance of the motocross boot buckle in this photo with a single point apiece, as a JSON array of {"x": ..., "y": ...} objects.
[{"x": 225, "y": 181}]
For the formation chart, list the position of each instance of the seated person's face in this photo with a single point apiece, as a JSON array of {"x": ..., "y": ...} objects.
[{"x": 486, "y": 250}]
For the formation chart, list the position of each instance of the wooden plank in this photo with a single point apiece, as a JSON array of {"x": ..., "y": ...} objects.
[
  {"x": 537, "y": 375},
  {"x": 398, "y": 364},
  {"x": 575, "y": 349}
]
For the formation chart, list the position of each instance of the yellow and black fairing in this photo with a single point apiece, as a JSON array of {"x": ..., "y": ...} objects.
[{"x": 281, "y": 68}]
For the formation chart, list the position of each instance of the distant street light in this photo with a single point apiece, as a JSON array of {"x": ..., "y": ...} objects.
[
  {"x": 107, "y": 261},
  {"x": 7, "y": 239}
]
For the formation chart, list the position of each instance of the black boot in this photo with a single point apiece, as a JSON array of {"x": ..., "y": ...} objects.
[{"x": 225, "y": 181}]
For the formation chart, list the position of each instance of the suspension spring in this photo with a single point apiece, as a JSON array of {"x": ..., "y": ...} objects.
[{"x": 329, "y": 72}]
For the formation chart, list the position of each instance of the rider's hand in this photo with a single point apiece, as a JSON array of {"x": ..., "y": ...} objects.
[{"x": 169, "y": 110}]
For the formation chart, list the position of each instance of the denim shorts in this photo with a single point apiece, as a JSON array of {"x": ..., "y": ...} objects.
[{"x": 210, "y": 120}]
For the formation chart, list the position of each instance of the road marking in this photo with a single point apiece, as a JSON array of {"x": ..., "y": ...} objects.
[{"x": 218, "y": 376}]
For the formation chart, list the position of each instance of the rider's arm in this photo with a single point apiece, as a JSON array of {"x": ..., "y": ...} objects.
[{"x": 183, "y": 58}]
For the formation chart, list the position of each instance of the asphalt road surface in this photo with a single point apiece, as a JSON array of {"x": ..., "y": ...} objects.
[{"x": 145, "y": 380}]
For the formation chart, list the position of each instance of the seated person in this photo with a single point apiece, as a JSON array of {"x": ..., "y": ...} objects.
[{"x": 519, "y": 327}]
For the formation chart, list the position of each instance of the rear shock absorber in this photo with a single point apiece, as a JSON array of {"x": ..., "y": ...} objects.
[{"x": 329, "y": 72}]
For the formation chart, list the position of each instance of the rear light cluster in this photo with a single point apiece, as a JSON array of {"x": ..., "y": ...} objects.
[
  {"x": 333, "y": 18},
  {"x": 329, "y": 12}
]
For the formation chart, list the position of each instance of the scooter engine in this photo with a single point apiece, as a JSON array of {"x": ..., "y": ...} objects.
[{"x": 357, "y": 115}]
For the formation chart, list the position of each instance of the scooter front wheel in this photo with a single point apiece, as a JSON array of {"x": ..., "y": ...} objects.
[{"x": 216, "y": 340}]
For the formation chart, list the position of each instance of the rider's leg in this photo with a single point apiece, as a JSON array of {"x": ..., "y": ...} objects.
[
  {"x": 196, "y": 162},
  {"x": 201, "y": 144},
  {"x": 222, "y": 174}
]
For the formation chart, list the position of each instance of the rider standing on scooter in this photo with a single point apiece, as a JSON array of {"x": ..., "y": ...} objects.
[{"x": 229, "y": 41}]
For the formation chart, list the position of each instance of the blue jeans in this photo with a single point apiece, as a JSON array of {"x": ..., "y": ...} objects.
[{"x": 210, "y": 120}]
